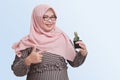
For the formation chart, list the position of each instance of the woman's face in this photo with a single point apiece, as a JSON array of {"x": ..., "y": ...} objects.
[{"x": 49, "y": 20}]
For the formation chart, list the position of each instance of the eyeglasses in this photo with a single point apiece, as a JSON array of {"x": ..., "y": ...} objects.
[{"x": 52, "y": 18}]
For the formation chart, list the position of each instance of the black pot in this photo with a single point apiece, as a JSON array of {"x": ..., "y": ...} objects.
[{"x": 76, "y": 45}]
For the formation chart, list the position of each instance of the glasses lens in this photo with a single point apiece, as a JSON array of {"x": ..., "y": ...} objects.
[{"x": 46, "y": 18}]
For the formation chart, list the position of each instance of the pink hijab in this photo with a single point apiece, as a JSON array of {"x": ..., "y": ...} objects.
[{"x": 55, "y": 41}]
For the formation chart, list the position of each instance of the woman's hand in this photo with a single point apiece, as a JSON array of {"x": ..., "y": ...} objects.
[
  {"x": 34, "y": 57},
  {"x": 83, "y": 48}
]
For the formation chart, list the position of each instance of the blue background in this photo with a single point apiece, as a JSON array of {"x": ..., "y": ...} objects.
[{"x": 96, "y": 21}]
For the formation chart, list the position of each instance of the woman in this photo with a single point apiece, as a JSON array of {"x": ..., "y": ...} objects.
[{"x": 44, "y": 53}]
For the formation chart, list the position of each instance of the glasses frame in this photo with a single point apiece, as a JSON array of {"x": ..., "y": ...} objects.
[{"x": 47, "y": 18}]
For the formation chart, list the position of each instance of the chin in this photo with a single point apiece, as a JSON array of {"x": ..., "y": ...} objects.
[{"x": 48, "y": 30}]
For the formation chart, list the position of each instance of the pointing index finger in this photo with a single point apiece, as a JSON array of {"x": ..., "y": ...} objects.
[{"x": 34, "y": 49}]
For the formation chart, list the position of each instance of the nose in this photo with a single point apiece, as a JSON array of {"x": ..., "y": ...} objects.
[{"x": 49, "y": 20}]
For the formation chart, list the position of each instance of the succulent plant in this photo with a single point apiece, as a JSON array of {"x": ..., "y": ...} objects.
[{"x": 76, "y": 38}]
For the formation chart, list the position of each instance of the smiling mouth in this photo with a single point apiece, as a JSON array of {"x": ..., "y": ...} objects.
[{"x": 49, "y": 25}]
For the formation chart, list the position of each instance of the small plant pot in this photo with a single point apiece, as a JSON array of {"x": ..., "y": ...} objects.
[{"x": 76, "y": 45}]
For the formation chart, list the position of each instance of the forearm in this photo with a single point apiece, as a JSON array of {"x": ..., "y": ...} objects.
[
  {"x": 20, "y": 68},
  {"x": 78, "y": 60}
]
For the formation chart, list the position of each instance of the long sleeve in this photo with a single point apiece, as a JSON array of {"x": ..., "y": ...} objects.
[
  {"x": 78, "y": 60},
  {"x": 19, "y": 67}
]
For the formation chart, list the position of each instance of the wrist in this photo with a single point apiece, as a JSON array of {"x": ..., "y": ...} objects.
[
  {"x": 84, "y": 54},
  {"x": 27, "y": 61}
]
